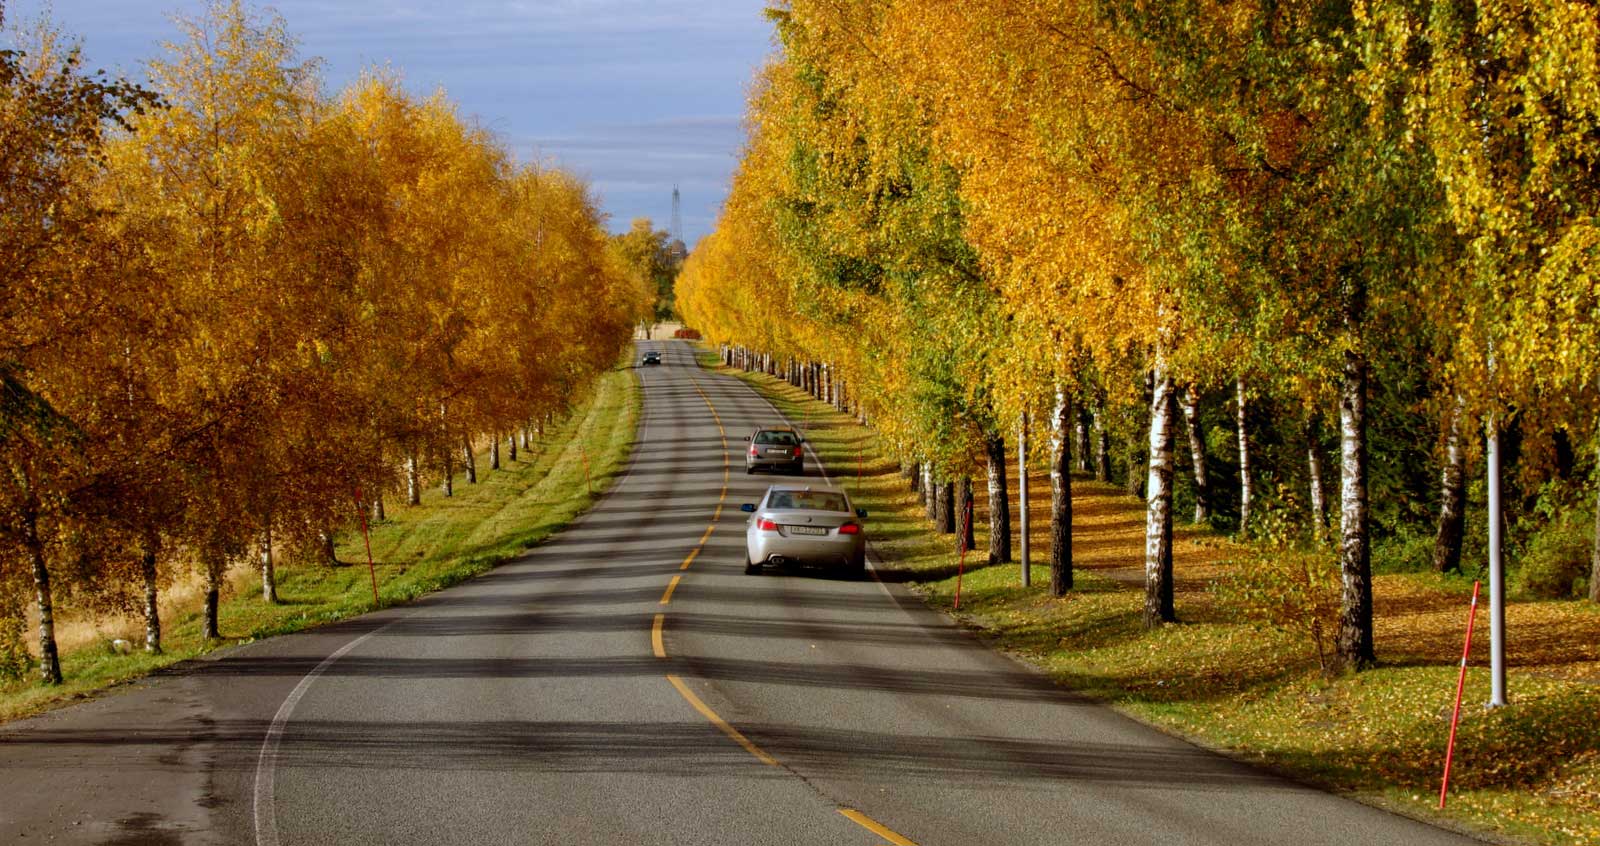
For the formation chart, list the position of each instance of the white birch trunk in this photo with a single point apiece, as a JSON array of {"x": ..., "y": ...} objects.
[
  {"x": 1158, "y": 603},
  {"x": 330, "y": 555},
  {"x": 413, "y": 478},
  {"x": 152, "y": 609},
  {"x": 1319, "y": 503},
  {"x": 269, "y": 578},
  {"x": 1024, "y": 529},
  {"x": 1061, "y": 494},
  {"x": 49, "y": 654},
  {"x": 1452, "y": 495},
  {"x": 965, "y": 514},
  {"x": 448, "y": 486},
  {"x": 1081, "y": 445},
  {"x": 211, "y": 628},
  {"x": 999, "y": 503},
  {"x": 1102, "y": 447},
  {"x": 947, "y": 508},
  {"x": 1244, "y": 456},
  {"x": 1355, "y": 647},
  {"x": 1189, "y": 401}
]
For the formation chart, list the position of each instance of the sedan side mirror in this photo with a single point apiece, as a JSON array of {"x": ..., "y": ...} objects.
[
  {"x": 747, "y": 437},
  {"x": 748, "y": 508},
  {"x": 862, "y": 513}
]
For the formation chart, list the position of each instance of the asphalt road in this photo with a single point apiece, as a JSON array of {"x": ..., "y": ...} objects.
[{"x": 627, "y": 683}]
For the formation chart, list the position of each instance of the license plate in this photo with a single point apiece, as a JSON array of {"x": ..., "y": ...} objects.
[
  {"x": 806, "y": 530},
  {"x": 777, "y": 452}
]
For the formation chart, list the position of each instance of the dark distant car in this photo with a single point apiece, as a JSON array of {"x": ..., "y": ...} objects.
[
  {"x": 651, "y": 357},
  {"x": 775, "y": 449}
]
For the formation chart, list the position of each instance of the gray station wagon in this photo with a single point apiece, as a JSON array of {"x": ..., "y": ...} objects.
[{"x": 775, "y": 449}]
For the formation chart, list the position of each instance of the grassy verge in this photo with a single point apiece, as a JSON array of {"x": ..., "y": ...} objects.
[
  {"x": 417, "y": 550},
  {"x": 1527, "y": 773}
]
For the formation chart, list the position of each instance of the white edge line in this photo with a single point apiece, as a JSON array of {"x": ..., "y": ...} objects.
[
  {"x": 265, "y": 815},
  {"x": 266, "y": 820}
]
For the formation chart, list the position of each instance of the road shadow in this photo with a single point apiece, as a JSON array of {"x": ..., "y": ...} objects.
[{"x": 687, "y": 748}]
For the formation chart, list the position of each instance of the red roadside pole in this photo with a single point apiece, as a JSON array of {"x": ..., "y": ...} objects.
[
  {"x": 961, "y": 566},
  {"x": 372, "y": 569},
  {"x": 1461, "y": 683},
  {"x": 858, "y": 463},
  {"x": 588, "y": 484}
]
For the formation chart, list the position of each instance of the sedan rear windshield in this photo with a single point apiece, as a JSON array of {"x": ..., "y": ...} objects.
[
  {"x": 807, "y": 500},
  {"x": 777, "y": 438}
]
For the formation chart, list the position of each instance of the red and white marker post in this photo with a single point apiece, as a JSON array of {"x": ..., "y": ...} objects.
[
  {"x": 859, "y": 443},
  {"x": 372, "y": 569},
  {"x": 1461, "y": 683},
  {"x": 961, "y": 566},
  {"x": 588, "y": 482}
]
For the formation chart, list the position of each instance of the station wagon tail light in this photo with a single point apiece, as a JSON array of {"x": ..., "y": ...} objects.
[
  {"x": 798, "y": 452},
  {"x": 850, "y": 529},
  {"x": 754, "y": 451},
  {"x": 767, "y": 526}
]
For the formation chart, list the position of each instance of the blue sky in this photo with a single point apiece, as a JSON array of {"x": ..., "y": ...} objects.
[{"x": 635, "y": 95}]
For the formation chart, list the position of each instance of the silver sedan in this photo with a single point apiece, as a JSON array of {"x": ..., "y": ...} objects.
[{"x": 803, "y": 525}]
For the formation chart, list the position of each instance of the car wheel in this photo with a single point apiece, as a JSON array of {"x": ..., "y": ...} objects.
[
  {"x": 858, "y": 567},
  {"x": 749, "y": 471},
  {"x": 797, "y": 469},
  {"x": 751, "y": 568}
]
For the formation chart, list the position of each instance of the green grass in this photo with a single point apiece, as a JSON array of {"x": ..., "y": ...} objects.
[
  {"x": 1530, "y": 772},
  {"x": 417, "y": 550}
]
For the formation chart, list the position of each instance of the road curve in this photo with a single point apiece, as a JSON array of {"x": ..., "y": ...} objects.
[{"x": 627, "y": 683}]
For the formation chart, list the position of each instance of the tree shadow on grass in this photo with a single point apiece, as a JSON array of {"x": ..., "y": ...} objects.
[{"x": 1523, "y": 747}]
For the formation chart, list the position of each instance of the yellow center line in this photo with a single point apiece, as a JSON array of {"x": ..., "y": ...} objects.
[
  {"x": 671, "y": 586},
  {"x": 875, "y": 827},
  {"x": 656, "y": 644},
  {"x": 732, "y": 733},
  {"x": 659, "y": 647}
]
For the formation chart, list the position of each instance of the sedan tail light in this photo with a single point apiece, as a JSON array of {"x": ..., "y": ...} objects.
[
  {"x": 798, "y": 452},
  {"x": 767, "y": 525},
  {"x": 850, "y": 529},
  {"x": 754, "y": 451}
]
